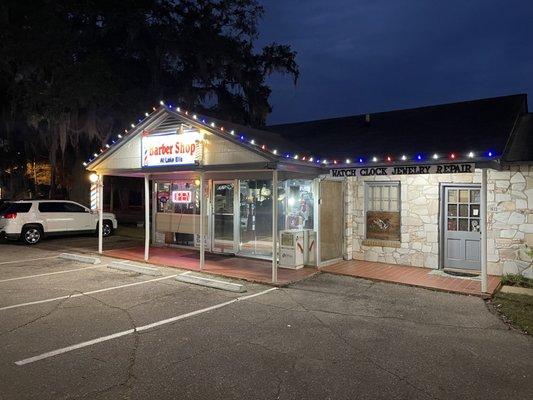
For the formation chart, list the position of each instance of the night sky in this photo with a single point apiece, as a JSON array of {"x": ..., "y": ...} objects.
[{"x": 359, "y": 56}]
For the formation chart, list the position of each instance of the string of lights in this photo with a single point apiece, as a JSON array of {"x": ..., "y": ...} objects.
[{"x": 296, "y": 157}]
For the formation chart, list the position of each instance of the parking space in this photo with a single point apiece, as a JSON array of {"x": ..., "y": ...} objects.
[{"x": 71, "y": 330}]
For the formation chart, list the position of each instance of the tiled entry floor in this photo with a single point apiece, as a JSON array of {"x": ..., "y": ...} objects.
[
  {"x": 413, "y": 276},
  {"x": 234, "y": 267}
]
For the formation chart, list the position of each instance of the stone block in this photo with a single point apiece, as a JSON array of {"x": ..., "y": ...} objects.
[
  {"x": 507, "y": 206},
  {"x": 432, "y": 261},
  {"x": 499, "y": 197},
  {"x": 516, "y": 218},
  {"x": 518, "y": 178},
  {"x": 502, "y": 184},
  {"x": 432, "y": 237},
  {"x": 526, "y": 228},
  {"x": 505, "y": 175},
  {"x": 521, "y": 204},
  {"x": 508, "y": 233}
]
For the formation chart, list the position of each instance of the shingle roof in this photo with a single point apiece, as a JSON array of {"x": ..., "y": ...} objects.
[{"x": 479, "y": 125}]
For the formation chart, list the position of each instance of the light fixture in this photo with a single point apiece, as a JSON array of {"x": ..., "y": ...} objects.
[
  {"x": 404, "y": 157},
  {"x": 310, "y": 159},
  {"x": 146, "y": 114},
  {"x": 119, "y": 136},
  {"x": 232, "y": 132},
  {"x": 95, "y": 154},
  {"x": 274, "y": 151},
  {"x": 107, "y": 146},
  {"x": 194, "y": 116},
  {"x": 197, "y": 182},
  {"x": 471, "y": 154},
  {"x": 84, "y": 164},
  {"x": 348, "y": 161},
  {"x": 178, "y": 109},
  {"x": 374, "y": 159},
  {"x": 419, "y": 157},
  {"x": 296, "y": 156},
  {"x": 212, "y": 124},
  {"x": 133, "y": 125},
  {"x": 435, "y": 156},
  {"x": 252, "y": 141},
  {"x": 452, "y": 156},
  {"x": 360, "y": 160},
  {"x": 161, "y": 102},
  {"x": 93, "y": 178},
  {"x": 490, "y": 153},
  {"x": 389, "y": 158}
]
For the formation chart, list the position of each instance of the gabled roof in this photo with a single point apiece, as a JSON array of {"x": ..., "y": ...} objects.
[{"x": 479, "y": 126}]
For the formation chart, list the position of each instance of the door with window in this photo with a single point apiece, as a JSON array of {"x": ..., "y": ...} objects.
[
  {"x": 461, "y": 230},
  {"x": 79, "y": 218},
  {"x": 223, "y": 216}
]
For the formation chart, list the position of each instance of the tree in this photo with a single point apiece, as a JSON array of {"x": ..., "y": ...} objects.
[{"x": 74, "y": 72}]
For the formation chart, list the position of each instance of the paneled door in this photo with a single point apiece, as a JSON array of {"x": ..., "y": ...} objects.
[{"x": 461, "y": 233}]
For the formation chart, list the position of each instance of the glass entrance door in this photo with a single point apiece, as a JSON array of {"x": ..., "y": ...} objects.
[{"x": 223, "y": 217}]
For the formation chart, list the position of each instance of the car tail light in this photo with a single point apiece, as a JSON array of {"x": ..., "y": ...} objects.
[{"x": 10, "y": 215}]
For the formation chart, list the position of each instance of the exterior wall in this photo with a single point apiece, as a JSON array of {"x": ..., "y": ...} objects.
[{"x": 509, "y": 208}]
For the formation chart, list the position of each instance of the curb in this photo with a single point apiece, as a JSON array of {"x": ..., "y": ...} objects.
[
  {"x": 139, "y": 269},
  {"x": 212, "y": 283},
  {"x": 80, "y": 258}
]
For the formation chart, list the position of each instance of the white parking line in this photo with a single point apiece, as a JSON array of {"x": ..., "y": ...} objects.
[
  {"x": 50, "y": 273},
  {"x": 31, "y": 303},
  {"x": 138, "y": 329},
  {"x": 30, "y": 259}
]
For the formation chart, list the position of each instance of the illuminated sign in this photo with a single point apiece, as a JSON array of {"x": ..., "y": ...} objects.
[
  {"x": 174, "y": 149},
  {"x": 181, "y": 196},
  {"x": 456, "y": 168}
]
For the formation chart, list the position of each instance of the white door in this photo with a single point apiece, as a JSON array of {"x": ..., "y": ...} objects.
[
  {"x": 461, "y": 231},
  {"x": 78, "y": 217},
  {"x": 53, "y": 216}
]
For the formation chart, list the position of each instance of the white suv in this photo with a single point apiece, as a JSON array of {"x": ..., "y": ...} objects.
[{"x": 31, "y": 220}]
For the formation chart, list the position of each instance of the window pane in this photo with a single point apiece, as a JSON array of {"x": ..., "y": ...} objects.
[
  {"x": 474, "y": 196},
  {"x": 452, "y": 196},
  {"x": 385, "y": 205},
  {"x": 452, "y": 210},
  {"x": 452, "y": 224},
  {"x": 463, "y": 196},
  {"x": 474, "y": 225},
  {"x": 375, "y": 205},
  {"x": 463, "y": 224},
  {"x": 394, "y": 205},
  {"x": 394, "y": 192},
  {"x": 463, "y": 210},
  {"x": 385, "y": 193},
  {"x": 474, "y": 210}
]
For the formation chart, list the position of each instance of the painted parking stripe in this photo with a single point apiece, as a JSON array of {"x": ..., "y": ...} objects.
[
  {"x": 51, "y": 273},
  {"x": 30, "y": 259},
  {"x": 31, "y": 303},
  {"x": 138, "y": 329}
]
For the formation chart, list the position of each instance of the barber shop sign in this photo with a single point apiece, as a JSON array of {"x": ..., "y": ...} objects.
[{"x": 170, "y": 149}]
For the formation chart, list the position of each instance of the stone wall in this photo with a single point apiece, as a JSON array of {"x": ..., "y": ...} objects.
[{"x": 510, "y": 219}]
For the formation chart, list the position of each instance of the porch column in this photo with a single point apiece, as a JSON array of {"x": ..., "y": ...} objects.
[
  {"x": 202, "y": 220},
  {"x": 274, "y": 226},
  {"x": 146, "y": 217},
  {"x": 483, "y": 223},
  {"x": 100, "y": 213}
]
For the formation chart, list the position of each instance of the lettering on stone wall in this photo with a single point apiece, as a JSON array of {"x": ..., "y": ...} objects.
[{"x": 457, "y": 168}]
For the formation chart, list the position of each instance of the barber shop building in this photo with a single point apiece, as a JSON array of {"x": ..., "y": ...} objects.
[{"x": 447, "y": 189}]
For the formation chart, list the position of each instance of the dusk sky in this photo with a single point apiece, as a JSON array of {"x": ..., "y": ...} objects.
[{"x": 359, "y": 56}]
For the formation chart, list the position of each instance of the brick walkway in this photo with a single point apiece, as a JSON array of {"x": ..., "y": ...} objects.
[
  {"x": 252, "y": 270},
  {"x": 412, "y": 276}
]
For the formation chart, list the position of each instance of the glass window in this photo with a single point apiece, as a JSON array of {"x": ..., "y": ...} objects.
[
  {"x": 53, "y": 206},
  {"x": 255, "y": 217},
  {"x": 296, "y": 204},
  {"x": 17, "y": 208},
  {"x": 73, "y": 208},
  {"x": 178, "y": 210},
  {"x": 383, "y": 210}
]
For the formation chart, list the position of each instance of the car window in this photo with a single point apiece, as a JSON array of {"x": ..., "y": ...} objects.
[
  {"x": 54, "y": 206},
  {"x": 17, "y": 208},
  {"x": 72, "y": 207}
]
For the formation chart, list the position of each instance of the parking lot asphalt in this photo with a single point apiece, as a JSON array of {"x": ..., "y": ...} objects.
[{"x": 77, "y": 331}]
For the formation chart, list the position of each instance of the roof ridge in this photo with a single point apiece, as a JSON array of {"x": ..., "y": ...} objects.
[{"x": 479, "y": 100}]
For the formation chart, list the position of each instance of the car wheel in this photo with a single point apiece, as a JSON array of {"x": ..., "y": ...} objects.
[
  {"x": 107, "y": 229},
  {"x": 31, "y": 235}
]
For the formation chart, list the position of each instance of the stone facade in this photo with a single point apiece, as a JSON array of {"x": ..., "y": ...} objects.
[{"x": 509, "y": 219}]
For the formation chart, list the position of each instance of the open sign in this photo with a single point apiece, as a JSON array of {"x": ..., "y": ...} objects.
[{"x": 181, "y": 196}]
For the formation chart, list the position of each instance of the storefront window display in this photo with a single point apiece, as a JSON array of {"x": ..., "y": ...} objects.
[
  {"x": 295, "y": 211},
  {"x": 178, "y": 210}
]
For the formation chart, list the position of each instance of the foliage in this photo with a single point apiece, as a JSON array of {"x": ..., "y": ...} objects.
[
  {"x": 517, "y": 309},
  {"x": 517, "y": 280},
  {"x": 73, "y": 72}
]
